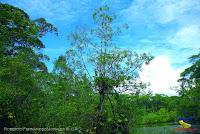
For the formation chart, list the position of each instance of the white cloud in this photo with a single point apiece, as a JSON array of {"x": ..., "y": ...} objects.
[
  {"x": 161, "y": 11},
  {"x": 188, "y": 37},
  {"x": 173, "y": 10},
  {"x": 161, "y": 75},
  {"x": 175, "y": 22}
]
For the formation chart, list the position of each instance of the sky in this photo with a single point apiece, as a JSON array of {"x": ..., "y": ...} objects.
[{"x": 167, "y": 29}]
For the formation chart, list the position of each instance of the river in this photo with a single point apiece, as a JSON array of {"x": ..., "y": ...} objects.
[{"x": 169, "y": 128}]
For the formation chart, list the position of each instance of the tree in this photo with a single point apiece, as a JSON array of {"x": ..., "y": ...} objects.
[
  {"x": 110, "y": 70},
  {"x": 21, "y": 36},
  {"x": 190, "y": 91},
  {"x": 192, "y": 73},
  {"x": 20, "y": 61}
]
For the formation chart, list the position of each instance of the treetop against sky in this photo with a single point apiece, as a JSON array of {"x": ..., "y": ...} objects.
[{"x": 167, "y": 29}]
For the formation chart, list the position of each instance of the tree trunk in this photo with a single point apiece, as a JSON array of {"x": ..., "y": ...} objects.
[{"x": 99, "y": 119}]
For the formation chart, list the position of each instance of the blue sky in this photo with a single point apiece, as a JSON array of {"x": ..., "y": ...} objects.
[{"x": 168, "y": 29}]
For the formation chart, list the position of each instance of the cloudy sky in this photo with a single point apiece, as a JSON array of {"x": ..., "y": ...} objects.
[{"x": 167, "y": 29}]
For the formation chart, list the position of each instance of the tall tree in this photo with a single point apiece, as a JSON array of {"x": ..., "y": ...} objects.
[
  {"x": 20, "y": 60},
  {"x": 111, "y": 70},
  {"x": 19, "y": 35},
  {"x": 193, "y": 72},
  {"x": 190, "y": 91}
]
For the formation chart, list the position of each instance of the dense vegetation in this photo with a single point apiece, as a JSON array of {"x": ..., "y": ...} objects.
[{"x": 87, "y": 88}]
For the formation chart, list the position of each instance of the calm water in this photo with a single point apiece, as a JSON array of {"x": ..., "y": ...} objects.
[{"x": 164, "y": 129}]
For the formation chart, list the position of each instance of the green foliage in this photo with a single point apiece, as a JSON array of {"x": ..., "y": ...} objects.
[
  {"x": 193, "y": 71},
  {"x": 190, "y": 103},
  {"x": 159, "y": 117},
  {"x": 94, "y": 50},
  {"x": 19, "y": 64},
  {"x": 155, "y": 109},
  {"x": 71, "y": 96},
  {"x": 190, "y": 91},
  {"x": 21, "y": 36}
]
